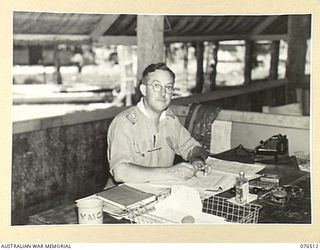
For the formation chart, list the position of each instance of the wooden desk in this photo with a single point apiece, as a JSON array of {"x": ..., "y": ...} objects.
[
  {"x": 66, "y": 214},
  {"x": 296, "y": 211}
]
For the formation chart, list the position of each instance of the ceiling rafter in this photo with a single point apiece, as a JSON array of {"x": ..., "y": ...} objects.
[
  {"x": 264, "y": 24},
  {"x": 104, "y": 24}
]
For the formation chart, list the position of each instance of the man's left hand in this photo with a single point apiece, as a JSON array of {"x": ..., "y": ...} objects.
[{"x": 201, "y": 168}]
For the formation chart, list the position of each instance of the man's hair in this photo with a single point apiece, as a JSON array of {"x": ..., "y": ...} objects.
[{"x": 153, "y": 67}]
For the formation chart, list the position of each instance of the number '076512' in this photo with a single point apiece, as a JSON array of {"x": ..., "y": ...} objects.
[{"x": 309, "y": 245}]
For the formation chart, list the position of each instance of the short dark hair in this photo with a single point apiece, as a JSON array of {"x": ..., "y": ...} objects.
[{"x": 156, "y": 66}]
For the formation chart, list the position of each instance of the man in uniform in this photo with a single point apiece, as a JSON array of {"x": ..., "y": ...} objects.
[{"x": 143, "y": 140}]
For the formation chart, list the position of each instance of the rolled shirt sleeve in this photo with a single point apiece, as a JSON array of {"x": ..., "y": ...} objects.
[
  {"x": 185, "y": 142},
  {"x": 119, "y": 141}
]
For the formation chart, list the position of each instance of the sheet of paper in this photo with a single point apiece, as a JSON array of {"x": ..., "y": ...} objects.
[
  {"x": 215, "y": 183},
  {"x": 251, "y": 197},
  {"x": 221, "y": 178},
  {"x": 220, "y": 136},
  {"x": 184, "y": 201},
  {"x": 234, "y": 168}
]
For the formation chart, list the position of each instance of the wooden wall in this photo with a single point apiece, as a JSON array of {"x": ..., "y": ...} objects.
[{"x": 57, "y": 165}]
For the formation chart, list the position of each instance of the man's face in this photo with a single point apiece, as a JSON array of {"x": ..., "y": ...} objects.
[{"x": 157, "y": 101}]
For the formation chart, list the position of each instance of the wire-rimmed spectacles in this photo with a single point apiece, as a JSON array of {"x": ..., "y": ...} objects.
[{"x": 158, "y": 87}]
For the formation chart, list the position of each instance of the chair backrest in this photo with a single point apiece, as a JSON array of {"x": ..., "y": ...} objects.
[{"x": 199, "y": 122}]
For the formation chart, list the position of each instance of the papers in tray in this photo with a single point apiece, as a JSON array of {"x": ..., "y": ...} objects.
[{"x": 183, "y": 201}]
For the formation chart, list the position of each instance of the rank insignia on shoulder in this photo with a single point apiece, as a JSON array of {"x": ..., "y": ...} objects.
[
  {"x": 170, "y": 113},
  {"x": 132, "y": 117}
]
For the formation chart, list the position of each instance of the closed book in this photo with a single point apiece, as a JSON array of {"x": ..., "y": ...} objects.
[{"x": 125, "y": 196}]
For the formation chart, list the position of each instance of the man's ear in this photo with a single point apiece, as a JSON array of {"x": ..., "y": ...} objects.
[{"x": 143, "y": 89}]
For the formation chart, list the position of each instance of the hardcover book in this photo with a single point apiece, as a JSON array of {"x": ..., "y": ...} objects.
[{"x": 125, "y": 196}]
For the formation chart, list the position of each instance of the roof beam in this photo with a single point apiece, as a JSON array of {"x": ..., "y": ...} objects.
[
  {"x": 39, "y": 39},
  {"x": 104, "y": 24},
  {"x": 225, "y": 38},
  {"x": 117, "y": 40},
  {"x": 132, "y": 40},
  {"x": 226, "y": 93},
  {"x": 263, "y": 25}
]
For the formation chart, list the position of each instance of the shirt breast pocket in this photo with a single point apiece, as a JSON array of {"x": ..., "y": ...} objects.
[{"x": 140, "y": 150}]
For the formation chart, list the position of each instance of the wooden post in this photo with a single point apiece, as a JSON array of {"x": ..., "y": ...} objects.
[
  {"x": 248, "y": 61},
  {"x": 200, "y": 77},
  {"x": 272, "y": 95},
  {"x": 150, "y": 41},
  {"x": 247, "y": 75},
  {"x": 274, "y": 62},
  {"x": 213, "y": 74},
  {"x": 185, "y": 84},
  {"x": 166, "y": 52},
  {"x": 57, "y": 74},
  {"x": 298, "y": 28},
  {"x": 126, "y": 75},
  {"x": 150, "y": 44}
]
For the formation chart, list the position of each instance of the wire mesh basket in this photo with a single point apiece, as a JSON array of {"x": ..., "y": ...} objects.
[
  {"x": 218, "y": 206},
  {"x": 232, "y": 212}
]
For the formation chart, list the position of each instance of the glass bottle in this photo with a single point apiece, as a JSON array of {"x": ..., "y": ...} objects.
[{"x": 242, "y": 189}]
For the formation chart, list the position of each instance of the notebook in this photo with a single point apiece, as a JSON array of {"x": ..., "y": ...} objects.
[{"x": 125, "y": 196}]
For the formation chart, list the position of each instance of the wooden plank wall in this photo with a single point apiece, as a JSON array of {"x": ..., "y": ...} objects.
[{"x": 57, "y": 165}]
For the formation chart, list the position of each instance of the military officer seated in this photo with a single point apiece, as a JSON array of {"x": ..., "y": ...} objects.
[{"x": 143, "y": 140}]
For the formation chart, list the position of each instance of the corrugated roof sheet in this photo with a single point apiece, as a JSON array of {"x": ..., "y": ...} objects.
[{"x": 125, "y": 25}]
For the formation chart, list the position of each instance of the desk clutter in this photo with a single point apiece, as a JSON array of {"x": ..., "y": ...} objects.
[
  {"x": 174, "y": 201},
  {"x": 279, "y": 192},
  {"x": 202, "y": 199},
  {"x": 179, "y": 204}
]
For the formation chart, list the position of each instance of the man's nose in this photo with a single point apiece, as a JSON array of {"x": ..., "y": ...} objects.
[{"x": 163, "y": 91}]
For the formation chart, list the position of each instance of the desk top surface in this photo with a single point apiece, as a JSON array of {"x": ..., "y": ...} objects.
[{"x": 298, "y": 210}]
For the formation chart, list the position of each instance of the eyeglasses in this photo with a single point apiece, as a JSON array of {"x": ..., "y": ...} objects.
[{"x": 158, "y": 87}]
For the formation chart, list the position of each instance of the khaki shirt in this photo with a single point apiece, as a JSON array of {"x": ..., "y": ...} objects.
[{"x": 133, "y": 138}]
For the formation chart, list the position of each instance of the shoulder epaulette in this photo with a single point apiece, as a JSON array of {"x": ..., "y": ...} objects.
[
  {"x": 132, "y": 117},
  {"x": 170, "y": 113}
]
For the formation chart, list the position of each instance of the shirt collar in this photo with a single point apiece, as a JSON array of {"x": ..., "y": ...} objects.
[{"x": 142, "y": 108}]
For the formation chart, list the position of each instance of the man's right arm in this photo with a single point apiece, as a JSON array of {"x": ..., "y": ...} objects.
[
  {"x": 129, "y": 172},
  {"x": 121, "y": 161}
]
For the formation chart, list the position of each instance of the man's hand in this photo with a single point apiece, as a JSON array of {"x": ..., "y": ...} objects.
[
  {"x": 201, "y": 169},
  {"x": 182, "y": 171}
]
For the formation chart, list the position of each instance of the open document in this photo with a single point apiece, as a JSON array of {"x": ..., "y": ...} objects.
[
  {"x": 222, "y": 177},
  {"x": 233, "y": 168}
]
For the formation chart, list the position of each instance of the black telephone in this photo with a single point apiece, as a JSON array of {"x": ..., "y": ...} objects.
[{"x": 274, "y": 147}]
